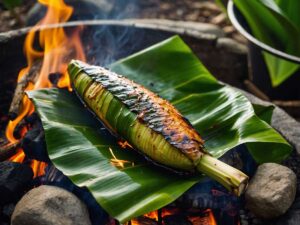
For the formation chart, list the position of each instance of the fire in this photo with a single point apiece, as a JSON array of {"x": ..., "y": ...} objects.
[
  {"x": 203, "y": 217},
  {"x": 206, "y": 219},
  {"x": 58, "y": 49},
  {"x": 152, "y": 215}
]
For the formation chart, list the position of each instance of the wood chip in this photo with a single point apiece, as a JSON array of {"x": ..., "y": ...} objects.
[
  {"x": 291, "y": 103},
  {"x": 206, "y": 5},
  {"x": 21, "y": 86},
  {"x": 8, "y": 150},
  {"x": 229, "y": 29},
  {"x": 219, "y": 19}
]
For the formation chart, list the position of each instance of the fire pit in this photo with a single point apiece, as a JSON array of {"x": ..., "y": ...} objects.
[{"x": 105, "y": 42}]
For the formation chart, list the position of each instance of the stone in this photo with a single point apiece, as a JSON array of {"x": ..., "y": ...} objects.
[
  {"x": 14, "y": 179},
  {"x": 271, "y": 190},
  {"x": 49, "y": 205}
]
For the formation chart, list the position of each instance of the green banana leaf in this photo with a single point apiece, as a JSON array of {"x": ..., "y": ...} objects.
[
  {"x": 285, "y": 69},
  {"x": 271, "y": 25},
  {"x": 277, "y": 26},
  {"x": 279, "y": 69},
  {"x": 87, "y": 154},
  {"x": 291, "y": 9}
]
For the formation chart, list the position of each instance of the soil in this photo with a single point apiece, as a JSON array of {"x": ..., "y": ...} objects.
[
  {"x": 205, "y": 11},
  {"x": 14, "y": 19}
]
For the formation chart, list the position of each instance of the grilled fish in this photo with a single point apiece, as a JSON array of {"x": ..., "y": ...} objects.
[{"x": 149, "y": 123}]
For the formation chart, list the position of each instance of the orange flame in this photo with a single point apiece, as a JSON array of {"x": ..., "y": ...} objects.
[
  {"x": 205, "y": 217},
  {"x": 152, "y": 215},
  {"x": 58, "y": 49}
]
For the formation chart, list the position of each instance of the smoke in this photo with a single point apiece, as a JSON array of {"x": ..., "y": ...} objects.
[
  {"x": 104, "y": 44},
  {"x": 115, "y": 9},
  {"x": 111, "y": 42}
]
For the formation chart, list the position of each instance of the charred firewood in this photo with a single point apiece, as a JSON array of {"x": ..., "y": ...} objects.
[
  {"x": 8, "y": 150},
  {"x": 34, "y": 145},
  {"x": 176, "y": 219},
  {"x": 145, "y": 221},
  {"x": 21, "y": 86},
  {"x": 15, "y": 179},
  {"x": 26, "y": 122},
  {"x": 54, "y": 78},
  {"x": 33, "y": 119},
  {"x": 17, "y": 133}
]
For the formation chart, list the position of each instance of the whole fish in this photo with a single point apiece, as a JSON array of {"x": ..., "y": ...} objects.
[{"x": 149, "y": 123}]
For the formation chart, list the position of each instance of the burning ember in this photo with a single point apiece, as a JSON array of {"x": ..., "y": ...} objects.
[
  {"x": 167, "y": 216},
  {"x": 58, "y": 49}
]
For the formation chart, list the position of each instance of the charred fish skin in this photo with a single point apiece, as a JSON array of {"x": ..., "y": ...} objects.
[
  {"x": 149, "y": 123},
  {"x": 129, "y": 110}
]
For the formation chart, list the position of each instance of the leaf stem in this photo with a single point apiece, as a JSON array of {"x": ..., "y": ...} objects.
[{"x": 230, "y": 177}]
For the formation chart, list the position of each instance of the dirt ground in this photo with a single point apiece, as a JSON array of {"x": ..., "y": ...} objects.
[
  {"x": 205, "y": 11},
  {"x": 15, "y": 18}
]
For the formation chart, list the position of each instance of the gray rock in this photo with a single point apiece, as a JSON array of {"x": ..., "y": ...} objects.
[
  {"x": 48, "y": 205},
  {"x": 271, "y": 191}
]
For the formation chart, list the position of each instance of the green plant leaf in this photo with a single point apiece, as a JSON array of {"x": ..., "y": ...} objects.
[
  {"x": 279, "y": 69},
  {"x": 274, "y": 26},
  {"x": 10, "y": 4},
  {"x": 270, "y": 25},
  {"x": 264, "y": 112},
  {"x": 291, "y": 9},
  {"x": 82, "y": 151},
  {"x": 283, "y": 69}
]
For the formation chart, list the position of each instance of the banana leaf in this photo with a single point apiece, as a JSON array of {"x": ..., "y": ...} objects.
[
  {"x": 291, "y": 10},
  {"x": 271, "y": 25},
  {"x": 279, "y": 69},
  {"x": 124, "y": 183},
  {"x": 277, "y": 26}
]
